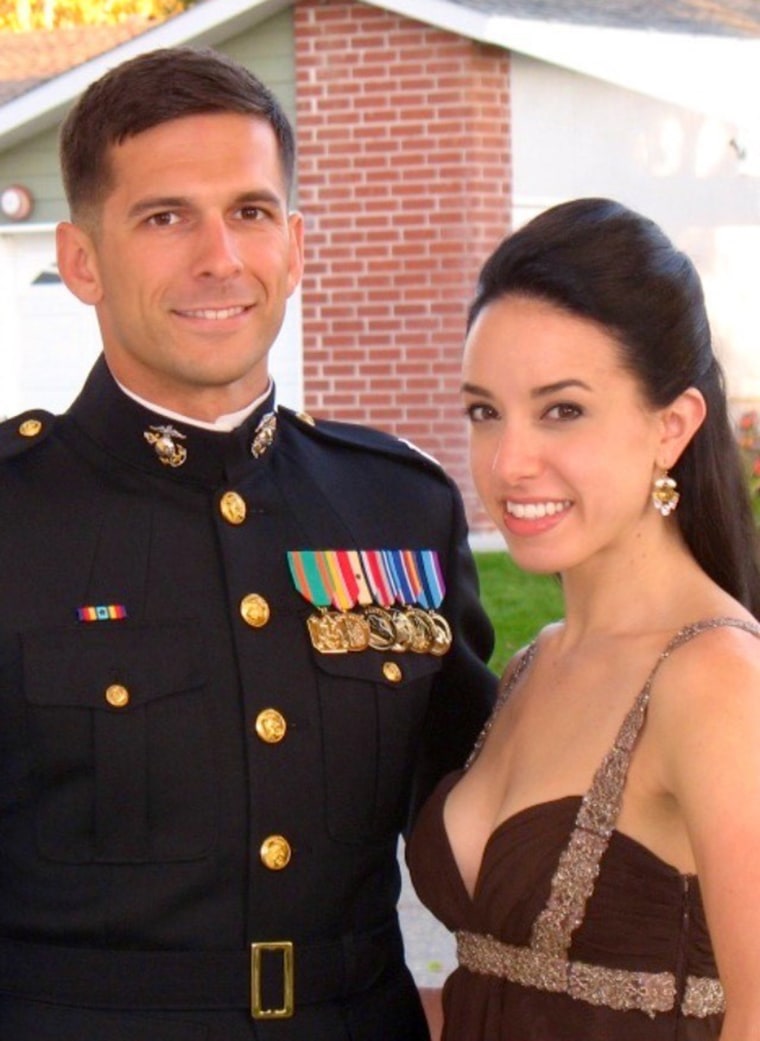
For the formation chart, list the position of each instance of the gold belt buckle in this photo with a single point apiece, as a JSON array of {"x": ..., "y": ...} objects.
[{"x": 285, "y": 948}]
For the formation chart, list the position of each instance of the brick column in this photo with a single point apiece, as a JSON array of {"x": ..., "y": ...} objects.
[{"x": 405, "y": 182}]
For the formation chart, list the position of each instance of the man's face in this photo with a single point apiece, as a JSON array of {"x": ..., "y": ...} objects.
[{"x": 190, "y": 261}]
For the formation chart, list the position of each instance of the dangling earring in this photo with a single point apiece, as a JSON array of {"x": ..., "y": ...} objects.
[{"x": 664, "y": 495}]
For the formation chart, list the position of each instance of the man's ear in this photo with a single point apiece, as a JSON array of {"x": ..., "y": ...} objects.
[
  {"x": 295, "y": 262},
  {"x": 78, "y": 262},
  {"x": 680, "y": 420}
]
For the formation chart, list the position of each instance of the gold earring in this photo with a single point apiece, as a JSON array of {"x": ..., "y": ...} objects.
[{"x": 664, "y": 495}]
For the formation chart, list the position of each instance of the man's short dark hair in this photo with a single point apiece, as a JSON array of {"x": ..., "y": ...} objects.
[{"x": 147, "y": 91}]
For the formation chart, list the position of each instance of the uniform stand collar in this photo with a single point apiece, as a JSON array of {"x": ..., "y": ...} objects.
[{"x": 167, "y": 448}]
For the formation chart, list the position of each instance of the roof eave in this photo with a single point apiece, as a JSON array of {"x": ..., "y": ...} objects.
[
  {"x": 670, "y": 66},
  {"x": 667, "y": 66},
  {"x": 43, "y": 106}
]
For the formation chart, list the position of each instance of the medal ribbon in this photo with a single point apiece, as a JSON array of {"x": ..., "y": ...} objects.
[
  {"x": 345, "y": 578},
  {"x": 377, "y": 578},
  {"x": 341, "y": 593},
  {"x": 395, "y": 568},
  {"x": 353, "y": 561},
  {"x": 412, "y": 575},
  {"x": 307, "y": 577},
  {"x": 429, "y": 570}
]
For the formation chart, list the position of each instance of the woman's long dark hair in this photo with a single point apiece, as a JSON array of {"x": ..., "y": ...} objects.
[{"x": 601, "y": 261}]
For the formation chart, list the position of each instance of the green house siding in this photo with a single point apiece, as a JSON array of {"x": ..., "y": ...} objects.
[
  {"x": 34, "y": 163},
  {"x": 267, "y": 49}
]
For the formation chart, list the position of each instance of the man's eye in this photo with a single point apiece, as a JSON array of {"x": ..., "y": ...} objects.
[
  {"x": 251, "y": 212},
  {"x": 163, "y": 220}
]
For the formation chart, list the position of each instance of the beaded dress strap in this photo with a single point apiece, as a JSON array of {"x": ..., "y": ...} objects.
[
  {"x": 578, "y": 867},
  {"x": 507, "y": 684}
]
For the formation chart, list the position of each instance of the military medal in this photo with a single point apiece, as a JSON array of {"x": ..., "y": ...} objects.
[
  {"x": 326, "y": 634},
  {"x": 384, "y": 600},
  {"x": 423, "y": 631},
  {"x": 443, "y": 636},
  {"x": 382, "y": 631},
  {"x": 404, "y": 630},
  {"x": 325, "y": 579},
  {"x": 383, "y": 636},
  {"x": 433, "y": 589}
]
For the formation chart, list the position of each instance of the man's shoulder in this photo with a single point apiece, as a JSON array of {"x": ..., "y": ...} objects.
[
  {"x": 359, "y": 438},
  {"x": 22, "y": 433}
]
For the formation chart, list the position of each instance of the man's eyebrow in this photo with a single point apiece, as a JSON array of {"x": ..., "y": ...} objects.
[
  {"x": 159, "y": 203},
  {"x": 261, "y": 195}
]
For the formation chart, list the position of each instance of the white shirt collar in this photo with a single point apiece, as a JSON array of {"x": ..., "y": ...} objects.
[{"x": 224, "y": 423}]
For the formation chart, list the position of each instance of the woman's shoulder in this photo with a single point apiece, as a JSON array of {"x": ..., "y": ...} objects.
[
  {"x": 711, "y": 664},
  {"x": 710, "y": 645}
]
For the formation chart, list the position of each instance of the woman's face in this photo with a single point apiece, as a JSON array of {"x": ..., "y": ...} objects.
[{"x": 563, "y": 447}]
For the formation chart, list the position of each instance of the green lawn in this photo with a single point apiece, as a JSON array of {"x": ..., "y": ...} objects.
[{"x": 518, "y": 604}]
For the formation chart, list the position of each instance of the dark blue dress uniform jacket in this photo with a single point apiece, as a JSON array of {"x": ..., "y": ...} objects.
[{"x": 135, "y": 791}]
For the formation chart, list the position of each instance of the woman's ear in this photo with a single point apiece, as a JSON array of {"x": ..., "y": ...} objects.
[
  {"x": 78, "y": 262},
  {"x": 680, "y": 420}
]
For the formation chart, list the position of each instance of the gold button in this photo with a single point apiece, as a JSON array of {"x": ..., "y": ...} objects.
[
  {"x": 271, "y": 726},
  {"x": 117, "y": 696},
  {"x": 30, "y": 428},
  {"x": 275, "y": 852},
  {"x": 392, "y": 672},
  {"x": 306, "y": 418},
  {"x": 232, "y": 507},
  {"x": 255, "y": 610}
]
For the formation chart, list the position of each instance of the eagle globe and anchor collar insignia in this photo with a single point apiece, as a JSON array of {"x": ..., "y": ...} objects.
[
  {"x": 382, "y": 599},
  {"x": 166, "y": 439}
]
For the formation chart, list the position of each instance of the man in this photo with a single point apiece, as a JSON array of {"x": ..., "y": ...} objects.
[{"x": 236, "y": 646}]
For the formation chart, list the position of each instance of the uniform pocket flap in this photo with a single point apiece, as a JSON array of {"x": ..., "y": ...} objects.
[
  {"x": 388, "y": 668},
  {"x": 113, "y": 666}
]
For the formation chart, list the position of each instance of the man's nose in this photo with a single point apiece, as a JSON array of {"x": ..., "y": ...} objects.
[{"x": 218, "y": 252}]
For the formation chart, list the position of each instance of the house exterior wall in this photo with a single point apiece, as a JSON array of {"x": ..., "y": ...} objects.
[
  {"x": 578, "y": 136},
  {"x": 34, "y": 163},
  {"x": 268, "y": 50},
  {"x": 405, "y": 186}
]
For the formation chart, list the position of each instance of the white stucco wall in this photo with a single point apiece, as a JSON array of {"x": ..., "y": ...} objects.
[{"x": 576, "y": 136}]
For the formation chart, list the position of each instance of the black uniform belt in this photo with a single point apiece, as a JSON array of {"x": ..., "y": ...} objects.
[{"x": 270, "y": 978}]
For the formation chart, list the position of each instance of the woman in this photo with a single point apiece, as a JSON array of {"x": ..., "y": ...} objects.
[{"x": 598, "y": 859}]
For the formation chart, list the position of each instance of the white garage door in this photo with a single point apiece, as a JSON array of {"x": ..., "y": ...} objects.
[{"x": 50, "y": 340}]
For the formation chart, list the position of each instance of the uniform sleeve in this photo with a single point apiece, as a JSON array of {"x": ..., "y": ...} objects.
[{"x": 465, "y": 688}]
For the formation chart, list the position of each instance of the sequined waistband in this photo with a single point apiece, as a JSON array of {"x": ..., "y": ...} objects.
[{"x": 619, "y": 989}]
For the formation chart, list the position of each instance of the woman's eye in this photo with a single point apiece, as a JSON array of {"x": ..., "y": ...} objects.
[
  {"x": 564, "y": 411},
  {"x": 479, "y": 413}
]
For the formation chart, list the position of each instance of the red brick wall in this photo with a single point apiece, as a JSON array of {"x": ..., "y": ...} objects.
[{"x": 404, "y": 181}]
